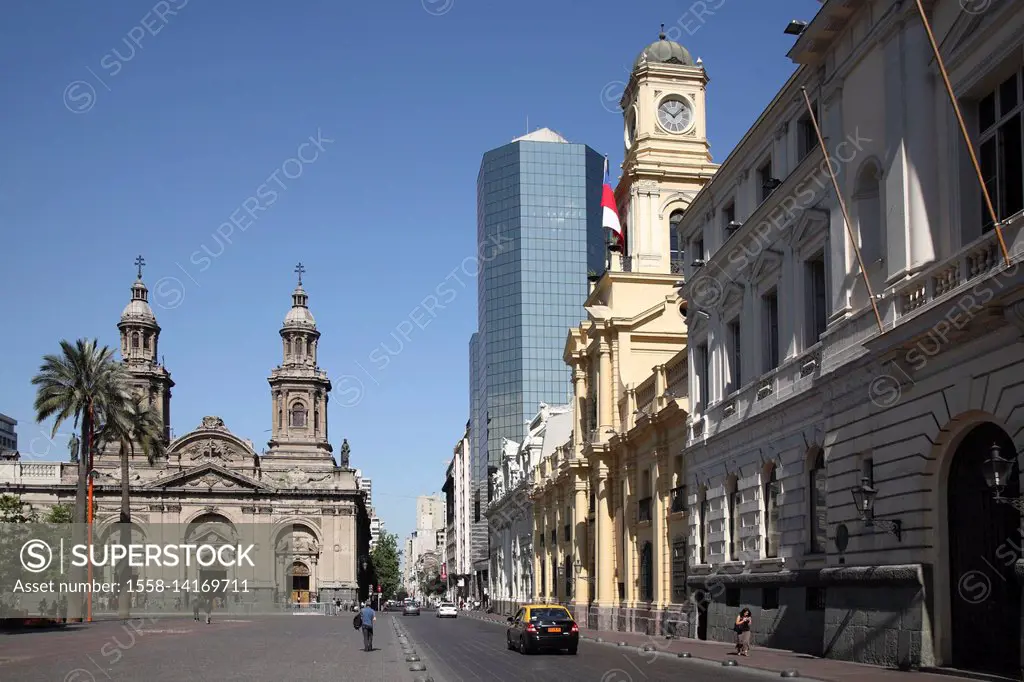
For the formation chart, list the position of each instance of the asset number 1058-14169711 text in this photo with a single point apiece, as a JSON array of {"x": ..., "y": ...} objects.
[{"x": 151, "y": 586}]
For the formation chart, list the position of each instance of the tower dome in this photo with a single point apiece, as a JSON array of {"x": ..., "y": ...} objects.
[
  {"x": 664, "y": 51},
  {"x": 138, "y": 309},
  {"x": 299, "y": 315}
]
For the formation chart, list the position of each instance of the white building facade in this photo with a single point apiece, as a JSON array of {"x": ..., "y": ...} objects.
[
  {"x": 457, "y": 492},
  {"x": 510, "y": 514},
  {"x": 799, "y": 402}
]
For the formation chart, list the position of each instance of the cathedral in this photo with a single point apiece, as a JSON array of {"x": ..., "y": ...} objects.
[{"x": 295, "y": 492}]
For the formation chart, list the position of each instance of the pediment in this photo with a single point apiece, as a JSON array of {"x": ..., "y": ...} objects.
[
  {"x": 811, "y": 223},
  {"x": 211, "y": 442},
  {"x": 768, "y": 261},
  {"x": 208, "y": 476},
  {"x": 731, "y": 296}
]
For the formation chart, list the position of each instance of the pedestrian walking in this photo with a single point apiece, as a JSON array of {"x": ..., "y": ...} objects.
[
  {"x": 195, "y": 609},
  {"x": 209, "y": 609},
  {"x": 743, "y": 633},
  {"x": 369, "y": 618}
]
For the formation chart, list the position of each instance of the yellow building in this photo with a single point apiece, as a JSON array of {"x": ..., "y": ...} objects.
[{"x": 609, "y": 527}]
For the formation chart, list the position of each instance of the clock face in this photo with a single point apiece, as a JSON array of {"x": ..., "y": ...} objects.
[{"x": 675, "y": 115}]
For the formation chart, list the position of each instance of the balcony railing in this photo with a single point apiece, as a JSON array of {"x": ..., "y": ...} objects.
[
  {"x": 643, "y": 509},
  {"x": 678, "y": 499},
  {"x": 676, "y": 266}
]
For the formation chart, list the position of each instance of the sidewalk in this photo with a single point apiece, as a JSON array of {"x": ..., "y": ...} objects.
[{"x": 769, "y": 660}]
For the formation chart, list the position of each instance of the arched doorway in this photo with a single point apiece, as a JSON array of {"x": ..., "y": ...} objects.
[
  {"x": 298, "y": 583},
  {"x": 984, "y": 544}
]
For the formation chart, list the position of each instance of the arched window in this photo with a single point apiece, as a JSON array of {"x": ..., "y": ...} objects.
[
  {"x": 298, "y": 415},
  {"x": 280, "y": 418},
  {"x": 135, "y": 339},
  {"x": 647, "y": 572},
  {"x": 287, "y": 346},
  {"x": 771, "y": 514},
  {"x": 675, "y": 242},
  {"x": 868, "y": 206},
  {"x": 818, "y": 493}
]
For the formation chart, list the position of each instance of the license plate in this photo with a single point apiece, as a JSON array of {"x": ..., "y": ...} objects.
[{"x": 554, "y": 629}]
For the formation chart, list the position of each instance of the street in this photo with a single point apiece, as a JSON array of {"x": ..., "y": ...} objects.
[
  {"x": 468, "y": 648},
  {"x": 262, "y": 649}
]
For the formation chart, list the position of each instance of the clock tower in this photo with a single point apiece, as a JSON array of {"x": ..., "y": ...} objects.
[{"x": 667, "y": 158}]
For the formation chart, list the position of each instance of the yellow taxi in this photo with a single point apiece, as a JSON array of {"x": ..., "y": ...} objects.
[{"x": 542, "y": 626}]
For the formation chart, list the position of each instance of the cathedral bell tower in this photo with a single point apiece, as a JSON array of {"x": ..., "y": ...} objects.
[
  {"x": 140, "y": 338},
  {"x": 299, "y": 388},
  {"x": 667, "y": 156}
]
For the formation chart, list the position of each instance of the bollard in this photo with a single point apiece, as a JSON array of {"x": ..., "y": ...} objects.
[
  {"x": 424, "y": 679},
  {"x": 599, "y": 640},
  {"x": 728, "y": 662},
  {"x": 790, "y": 673},
  {"x": 417, "y": 667},
  {"x": 412, "y": 658},
  {"x": 684, "y": 654},
  {"x": 622, "y": 644},
  {"x": 647, "y": 647}
]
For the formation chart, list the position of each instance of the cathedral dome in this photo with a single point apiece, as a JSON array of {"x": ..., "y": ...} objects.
[
  {"x": 299, "y": 315},
  {"x": 664, "y": 51},
  {"x": 138, "y": 309}
]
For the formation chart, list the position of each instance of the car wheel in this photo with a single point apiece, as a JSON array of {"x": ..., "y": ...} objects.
[
  {"x": 508, "y": 642},
  {"x": 572, "y": 651},
  {"x": 524, "y": 648}
]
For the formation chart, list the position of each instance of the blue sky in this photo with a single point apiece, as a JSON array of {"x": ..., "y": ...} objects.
[{"x": 125, "y": 133}]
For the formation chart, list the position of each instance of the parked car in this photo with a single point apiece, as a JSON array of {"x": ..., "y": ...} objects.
[
  {"x": 411, "y": 610},
  {"x": 447, "y": 610},
  {"x": 542, "y": 626}
]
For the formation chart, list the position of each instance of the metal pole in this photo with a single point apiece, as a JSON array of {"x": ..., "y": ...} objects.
[
  {"x": 89, "y": 503},
  {"x": 842, "y": 207},
  {"x": 963, "y": 131}
]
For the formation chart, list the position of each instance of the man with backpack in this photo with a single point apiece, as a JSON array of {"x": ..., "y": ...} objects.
[{"x": 366, "y": 618}]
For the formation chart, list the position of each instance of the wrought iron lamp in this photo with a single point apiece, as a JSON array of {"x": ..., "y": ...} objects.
[
  {"x": 577, "y": 566},
  {"x": 864, "y": 498},
  {"x": 998, "y": 472}
]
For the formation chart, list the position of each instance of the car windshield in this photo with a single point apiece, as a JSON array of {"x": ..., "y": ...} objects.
[{"x": 549, "y": 614}]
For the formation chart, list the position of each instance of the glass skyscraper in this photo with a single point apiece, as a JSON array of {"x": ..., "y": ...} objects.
[{"x": 539, "y": 235}]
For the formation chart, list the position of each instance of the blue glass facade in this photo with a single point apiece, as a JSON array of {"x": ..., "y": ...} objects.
[{"x": 539, "y": 233}]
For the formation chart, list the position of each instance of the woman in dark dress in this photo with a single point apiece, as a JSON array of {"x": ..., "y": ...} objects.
[{"x": 743, "y": 633}]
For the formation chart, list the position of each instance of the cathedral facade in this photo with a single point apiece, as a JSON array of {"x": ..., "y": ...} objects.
[{"x": 295, "y": 492}]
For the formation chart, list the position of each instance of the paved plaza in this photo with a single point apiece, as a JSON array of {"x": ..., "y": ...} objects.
[{"x": 259, "y": 648}]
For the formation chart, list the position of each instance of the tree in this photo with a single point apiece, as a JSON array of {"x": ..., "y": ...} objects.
[
  {"x": 401, "y": 594},
  {"x": 86, "y": 385},
  {"x": 60, "y": 513},
  {"x": 135, "y": 423},
  {"x": 385, "y": 563}
]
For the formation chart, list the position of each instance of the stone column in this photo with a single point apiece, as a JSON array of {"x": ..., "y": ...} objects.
[
  {"x": 603, "y": 546},
  {"x": 629, "y": 505},
  {"x": 662, "y": 479},
  {"x": 579, "y": 378},
  {"x": 604, "y": 388},
  {"x": 615, "y": 385},
  {"x": 580, "y": 504},
  {"x": 538, "y": 554},
  {"x": 919, "y": 94}
]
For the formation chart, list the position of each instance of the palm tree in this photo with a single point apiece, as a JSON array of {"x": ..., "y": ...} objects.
[
  {"x": 137, "y": 424},
  {"x": 84, "y": 384}
]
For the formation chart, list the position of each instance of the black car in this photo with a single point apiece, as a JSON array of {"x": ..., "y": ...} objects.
[{"x": 542, "y": 626}]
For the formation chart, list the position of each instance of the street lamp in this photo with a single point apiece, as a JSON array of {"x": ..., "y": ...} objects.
[
  {"x": 864, "y": 499},
  {"x": 577, "y": 566},
  {"x": 997, "y": 472}
]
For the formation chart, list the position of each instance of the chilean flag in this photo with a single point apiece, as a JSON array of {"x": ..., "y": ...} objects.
[{"x": 610, "y": 214}]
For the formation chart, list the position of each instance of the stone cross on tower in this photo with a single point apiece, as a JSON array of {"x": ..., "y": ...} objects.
[
  {"x": 139, "y": 262},
  {"x": 299, "y": 269}
]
